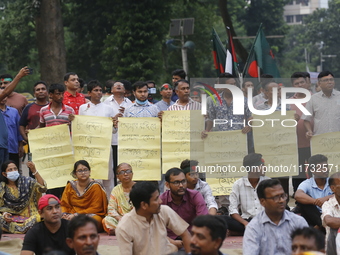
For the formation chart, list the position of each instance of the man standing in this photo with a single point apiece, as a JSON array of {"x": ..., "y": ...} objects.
[
  {"x": 187, "y": 203},
  {"x": 55, "y": 113},
  {"x": 6, "y": 90},
  {"x": 184, "y": 102},
  {"x": 178, "y": 74},
  {"x": 142, "y": 107},
  {"x": 14, "y": 99},
  {"x": 30, "y": 118},
  {"x": 243, "y": 197},
  {"x": 165, "y": 103},
  {"x": 152, "y": 91},
  {"x": 82, "y": 235},
  {"x": 49, "y": 234},
  {"x": 269, "y": 231},
  {"x": 96, "y": 108},
  {"x": 208, "y": 234},
  {"x": 323, "y": 107},
  {"x": 143, "y": 230},
  {"x": 72, "y": 97}
]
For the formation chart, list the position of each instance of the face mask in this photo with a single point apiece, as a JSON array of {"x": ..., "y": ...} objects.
[
  {"x": 141, "y": 102},
  {"x": 13, "y": 176}
]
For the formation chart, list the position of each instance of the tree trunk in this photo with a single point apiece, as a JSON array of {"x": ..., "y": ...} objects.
[
  {"x": 51, "y": 44},
  {"x": 240, "y": 50}
]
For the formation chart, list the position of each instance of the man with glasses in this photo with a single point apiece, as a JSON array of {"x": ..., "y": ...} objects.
[
  {"x": 14, "y": 99},
  {"x": 195, "y": 183},
  {"x": 323, "y": 107},
  {"x": 187, "y": 203},
  {"x": 269, "y": 231}
]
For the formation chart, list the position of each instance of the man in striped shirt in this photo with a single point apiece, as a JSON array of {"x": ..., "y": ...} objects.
[
  {"x": 55, "y": 113},
  {"x": 184, "y": 102}
]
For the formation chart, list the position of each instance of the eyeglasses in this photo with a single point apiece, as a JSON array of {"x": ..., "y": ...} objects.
[
  {"x": 4, "y": 82},
  {"x": 177, "y": 183},
  {"x": 278, "y": 197},
  {"x": 327, "y": 80},
  {"x": 125, "y": 172},
  {"x": 85, "y": 170}
]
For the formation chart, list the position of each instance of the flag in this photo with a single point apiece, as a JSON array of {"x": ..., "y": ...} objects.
[
  {"x": 231, "y": 61},
  {"x": 261, "y": 58},
  {"x": 219, "y": 53}
]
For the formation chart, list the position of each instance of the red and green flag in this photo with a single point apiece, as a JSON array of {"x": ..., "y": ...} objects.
[
  {"x": 231, "y": 61},
  {"x": 219, "y": 53},
  {"x": 261, "y": 58}
]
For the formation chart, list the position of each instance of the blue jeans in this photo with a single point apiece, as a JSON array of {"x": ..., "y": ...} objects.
[{"x": 3, "y": 155}]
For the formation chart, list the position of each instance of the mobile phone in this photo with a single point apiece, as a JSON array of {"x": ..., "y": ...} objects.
[
  {"x": 29, "y": 156},
  {"x": 152, "y": 90},
  {"x": 30, "y": 70}
]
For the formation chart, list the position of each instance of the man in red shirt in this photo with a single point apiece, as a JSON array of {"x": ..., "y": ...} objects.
[{"x": 71, "y": 96}]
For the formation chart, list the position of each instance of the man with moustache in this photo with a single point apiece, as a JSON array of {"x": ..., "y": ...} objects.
[
  {"x": 166, "y": 92},
  {"x": 49, "y": 234},
  {"x": 72, "y": 97},
  {"x": 269, "y": 231},
  {"x": 82, "y": 235},
  {"x": 184, "y": 102},
  {"x": 143, "y": 230}
]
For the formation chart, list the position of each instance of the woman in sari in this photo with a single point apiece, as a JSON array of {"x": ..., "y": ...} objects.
[
  {"x": 19, "y": 196},
  {"x": 119, "y": 199},
  {"x": 84, "y": 195}
]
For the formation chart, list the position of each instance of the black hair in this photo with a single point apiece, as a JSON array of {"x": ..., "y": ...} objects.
[
  {"x": 127, "y": 85},
  {"x": 109, "y": 84},
  {"x": 172, "y": 171},
  {"x": 147, "y": 82},
  {"x": 309, "y": 232},
  {"x": 142, "y": 192},
  {"x": 297, "y": 75},
  {"x": 216, "y": 224},
  {"x": 92, "y": 84},
  {"x": 4, "y": 167},
  {"x": 179, "y": 72},
  {"x": 39, "y": 82},
  {"x": 138, "y": 85},
  {"x": 67, "y": 76},
  {"x": 79, "y": 162},
  {"x": 269, "y": 183},
  {"x": 331, "y": 180},
  {"x": 316, "y": 159},
  {"x": 266, "y": 82},
  {"x": 6, "y": 75},
  {"x": 79, "y": 221},
  {"x": 252, "y": 159},
  {"x": 81, "y": 82},
  {"x": 321, "y": 74},
  {"x": 177, "y": 82},
  {"x": 56, "y": 86},
  {"x": 188, "y": 163}
]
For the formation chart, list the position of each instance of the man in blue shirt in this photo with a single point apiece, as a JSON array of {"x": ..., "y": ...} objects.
[
  {"x": 3, "y": 128},
  {"x": 269, "y": 231},
  {"x": 313, "y": 192}
]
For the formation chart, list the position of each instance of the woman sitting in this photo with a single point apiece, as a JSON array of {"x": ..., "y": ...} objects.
[
  {"x": 19, "y": 196},
  {"x": 119, "y": 198},
  {"x": 84, "y": 195}
]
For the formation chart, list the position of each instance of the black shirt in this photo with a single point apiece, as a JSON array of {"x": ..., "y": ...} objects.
[{"x": 40, "y": 240}]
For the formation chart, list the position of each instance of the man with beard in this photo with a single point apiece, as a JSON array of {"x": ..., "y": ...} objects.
[
  {"x": 187, "y": 203},
  {"x": 82, "y": 235},
  {"x": 49, "y": 234},
  {"x": 143, "y": 230},
  {"x": 312, "y": 193}
]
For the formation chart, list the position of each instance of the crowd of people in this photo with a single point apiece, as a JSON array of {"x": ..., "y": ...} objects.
[{"x": 179, "y": 213}]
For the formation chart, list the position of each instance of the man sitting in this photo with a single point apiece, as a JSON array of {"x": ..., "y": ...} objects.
[{"x": 313, "y": 192}]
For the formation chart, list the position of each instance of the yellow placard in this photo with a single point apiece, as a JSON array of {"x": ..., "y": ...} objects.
[
  {"x": 221, "y": 186},
  {"x": 91, "y": 137},
  {"x": 328, "y": 144},
  {"x": 52, "y": 154},
  {"x": 181, "y": 138},
  {"x": 139, "y": 145},
  {"x": 275, "y": 138}
]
